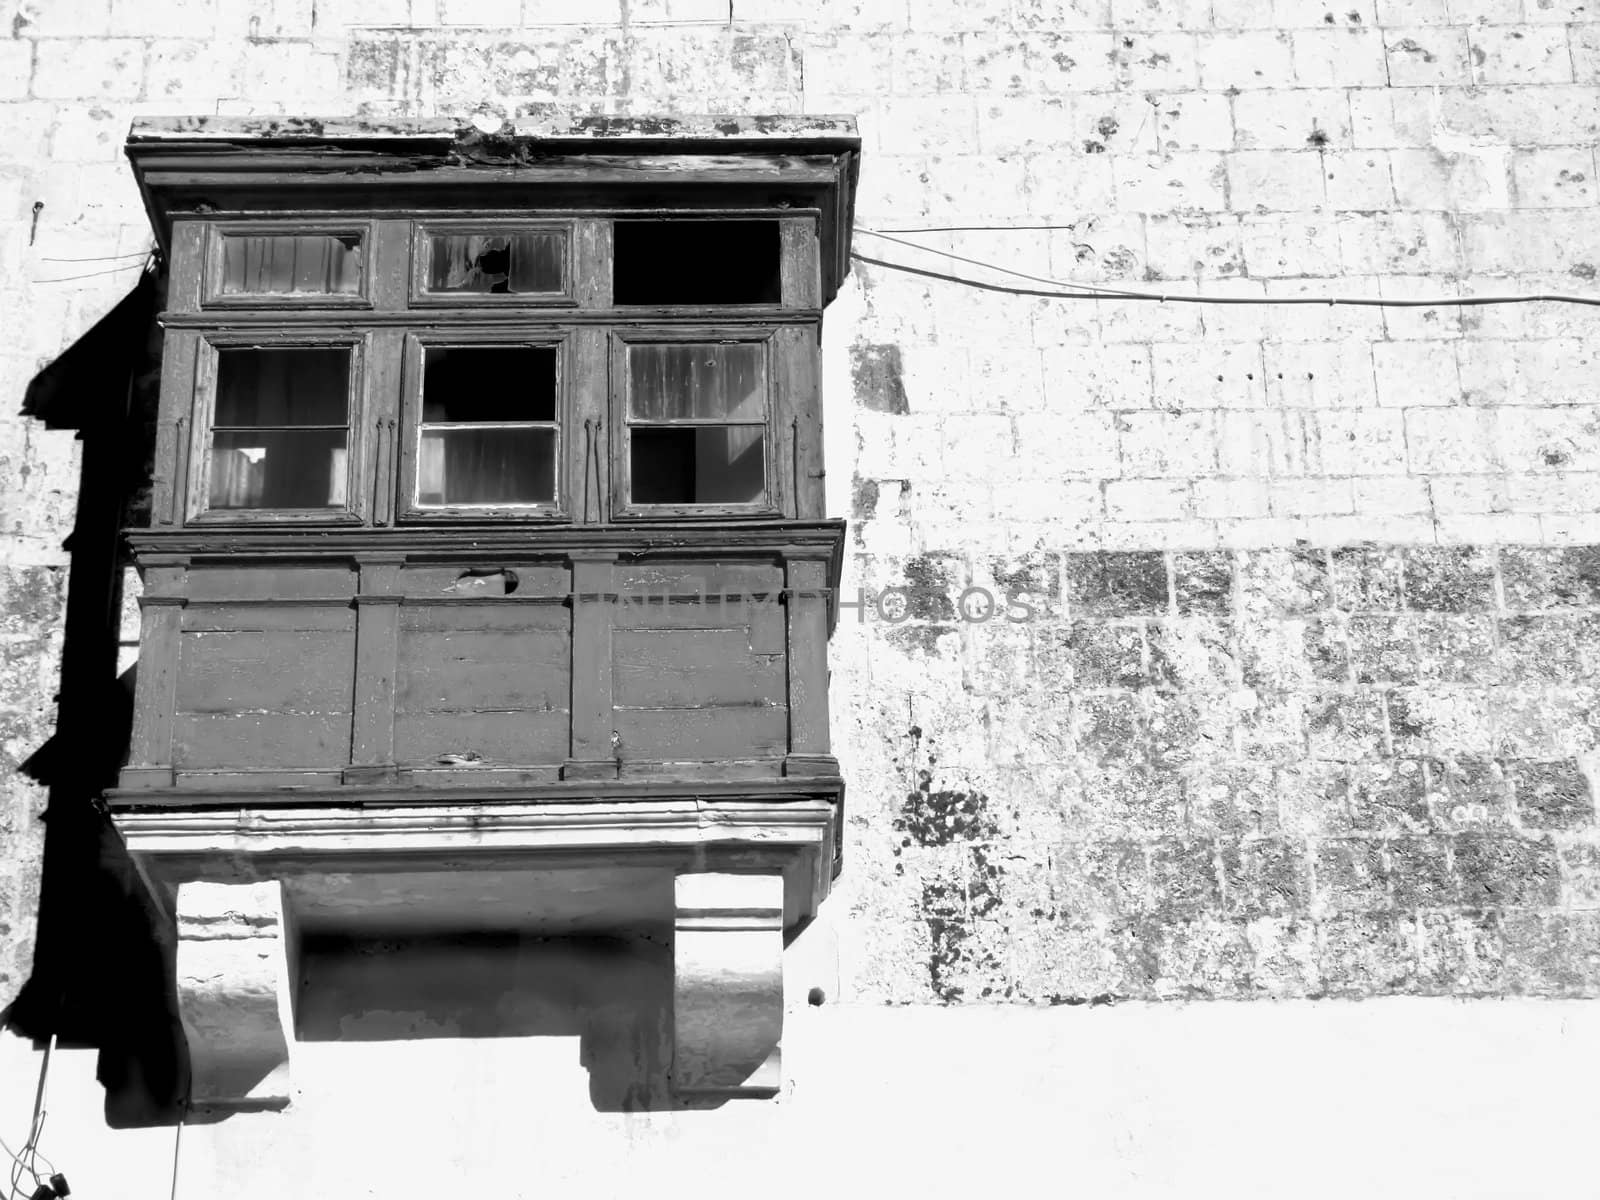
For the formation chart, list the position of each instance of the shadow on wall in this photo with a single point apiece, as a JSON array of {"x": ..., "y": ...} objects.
[
  {"x": 101, "y": 976},
  {"x": 613, "y": 994}
]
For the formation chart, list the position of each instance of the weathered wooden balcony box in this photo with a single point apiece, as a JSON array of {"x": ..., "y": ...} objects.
[{"x": 488, "y": 527}]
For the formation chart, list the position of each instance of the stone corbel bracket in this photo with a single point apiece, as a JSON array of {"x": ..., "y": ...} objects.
[
  {"x": 738, "y": 873},
  {"x": 727, "y": 986},
  {"x": 233, "y": 974}
]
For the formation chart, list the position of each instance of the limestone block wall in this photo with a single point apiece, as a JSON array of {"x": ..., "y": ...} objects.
[{"x": 1299, "y": 695}]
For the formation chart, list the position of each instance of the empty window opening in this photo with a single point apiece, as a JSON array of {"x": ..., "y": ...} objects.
[
  {"x": 497, "y": 264},
  {"x": 698, "y": 416},
  {"x": 280, "y": 432},
  {"x": 489, "y": 431},
  {"x": 696, "y": 262}
]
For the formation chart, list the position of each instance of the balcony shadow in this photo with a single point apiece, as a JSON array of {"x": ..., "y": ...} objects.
[
  {"x": 102, "y": 972},
  {"x": 613, "y": 994}
]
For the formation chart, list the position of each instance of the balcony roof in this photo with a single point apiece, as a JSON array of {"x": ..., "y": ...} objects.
[{"x": 259, "y": 166}]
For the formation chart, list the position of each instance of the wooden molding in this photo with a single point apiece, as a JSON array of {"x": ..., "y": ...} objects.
[{"x": 221, "y": 843}]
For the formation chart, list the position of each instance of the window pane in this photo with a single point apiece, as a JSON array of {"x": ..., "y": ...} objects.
[
  {"x": 497, "y": 263},
  {"x": 698, "y": 381},
  {"x": 489, "y": 383},
  {"x": 300, "y": 386},
  {"x": 309, "y": 264},
  {"x": 463, "y": 465},
  {"x": 698, "y": 465},
  {"x": 278, "y": 468}
]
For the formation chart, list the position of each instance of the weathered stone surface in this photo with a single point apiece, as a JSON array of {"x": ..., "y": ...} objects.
[
  {"x": 1203, "y": 584},
  {"x": 1450, "y": 579},
  {"x": 1550, "y": 577},
  {"x": 1116, "y": 585},
  {"x": 1298, "y": 581},
  {"x": 1367, "y": 578},
  {"x": 1552, "y": 795},
  {"x": 1506, "y": 871}
]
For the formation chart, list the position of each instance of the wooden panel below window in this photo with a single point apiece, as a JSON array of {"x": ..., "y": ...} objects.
[
  {"x": 490, "y": 738},
  {"x": 688, "y": 668},
  {"x": 702, "y": 734},
  {"x": 277, "y": 741},
  {"x": 300, "y": 671},
  {"x": 488, "y": 682}
]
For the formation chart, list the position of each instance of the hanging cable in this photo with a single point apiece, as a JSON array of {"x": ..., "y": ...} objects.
[
  {"x": 1064, "y": 290},
  {"x": 177, "y": 1141},
  {"x": 103, "y": 257},
  {"x": 149, "y": 261}
]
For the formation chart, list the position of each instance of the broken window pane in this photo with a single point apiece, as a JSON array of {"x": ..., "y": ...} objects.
[
  {"x": 694, "y": 381},
  {"x": 283, "y": 265},
  {"x": 497, "y": 263},
  {"x": 488, "y": 433},
  {"x": 280, "y": 428},
  {"x": 698, "y": 464}
]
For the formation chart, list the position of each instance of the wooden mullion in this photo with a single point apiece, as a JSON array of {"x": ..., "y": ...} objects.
[
  {"x": 591, "y": 754},
  {"x": 377, "y": 641}
]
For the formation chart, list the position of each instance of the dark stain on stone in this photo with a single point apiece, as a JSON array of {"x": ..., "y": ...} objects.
[
  {"x": 1090, "y": 146},
  {"x": 863, "y": 498},
  {"x": 878, "y": 373},
  {"x": 919, "y": 639},
  {"x": 1117, "y": 584},
  {"x": 1552, "y": 795},
  {"x": 1554, "y": 458},
  {"x": 1448, "y": 579},
  {"x": 1500, "y": 871},
  {"x": 954, "y": 959},
  {"x": 1402, "y": 722},
  {"x": 938, "y": 818},
  {"x": 1317, "y": 138},
  {"x": 1106, "y": 126},
  {"x": 1544, "y": 577},
  {"x": 928, "y": 586}
]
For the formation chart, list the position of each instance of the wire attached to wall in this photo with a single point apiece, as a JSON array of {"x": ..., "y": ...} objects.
[
  {"x": 1060, "y": 289},
  {"x": 28, "y": 1160}
]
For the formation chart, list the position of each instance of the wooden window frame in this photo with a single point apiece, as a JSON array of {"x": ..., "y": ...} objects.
[
  {"x": 423, "y": 231},
  {"x": 408, "y": 510},
  {"x": 621, "y": 422},
  {"x": 203, "y": 410},
  {"x": 213, "y": 297}
]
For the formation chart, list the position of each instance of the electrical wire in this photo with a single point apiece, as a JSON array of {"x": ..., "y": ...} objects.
[
  {"x": 177, "y": 1141},
  {"x": 98, "y": 274},
  {"x": 968, "y": 228},
  {"x": 104, "y": 257},
  {"x": 1065, "y": 290}
]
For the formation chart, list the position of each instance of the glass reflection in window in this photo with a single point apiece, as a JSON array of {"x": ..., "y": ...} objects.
[
  {"x": 280, "y": 428},
  {"x": 698, "y": 414},
  {"x": 489, "y": 432},
  {"x": 283, "y": 265}
]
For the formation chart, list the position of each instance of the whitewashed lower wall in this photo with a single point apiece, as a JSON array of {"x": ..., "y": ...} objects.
[{"x": 1401, "y": 1097}]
